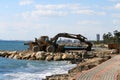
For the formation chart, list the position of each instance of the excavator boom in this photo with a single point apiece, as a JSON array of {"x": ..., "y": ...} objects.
[{"x": 73, "y": 36}]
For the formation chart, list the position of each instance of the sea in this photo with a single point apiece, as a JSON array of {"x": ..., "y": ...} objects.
[{"x": 12, "y": 69}]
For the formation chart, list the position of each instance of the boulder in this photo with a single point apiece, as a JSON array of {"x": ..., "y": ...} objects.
[
  {"x": 40, "y": 55},
  {"x": 20, "y": 55},
  {"x": 67, "y": 56},
  {"x": 16, "y": 56},
  {"x": 3, "y": 54},
  {"x": 26, "y": 56},
  {"x": 12, "y": 52},
  {"x": 115, "y": 51},
  {"x": 49, "y": 58},
  {"x": 11, "y": 56},
  {"x": 33, "y": 55},
  {"x": 57, "y": 57}
]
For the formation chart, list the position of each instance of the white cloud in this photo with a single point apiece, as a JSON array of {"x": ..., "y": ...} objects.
[
  {"x": 50, "y": 6},
  {"x": 23, "y": 30},
  {"x": 59, "y": 10},
  {"x": 116, "y": 22},
  {"x": 59, "y": 6},
  {"x": 116, "y": 15},
  {"x": 48, "y": 13},
  {"x": 25, "y": 2},
  {"x": 117, "y": 6},
  {"x": 89, "y": 12},
  {"x": 89, "y": 22},
  {"x": 114, "y": 0}
]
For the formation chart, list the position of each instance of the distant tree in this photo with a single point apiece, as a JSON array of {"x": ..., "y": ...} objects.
[
  {"x": 116, "y": 35},
  {"x": 109, "y": 38},
  {"x": 105, "y": 38}
]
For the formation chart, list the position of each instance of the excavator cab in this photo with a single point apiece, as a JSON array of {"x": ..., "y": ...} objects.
[{"x": 44, "y": 38}]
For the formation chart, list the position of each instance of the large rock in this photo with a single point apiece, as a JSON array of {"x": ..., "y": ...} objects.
[
  {"x": 67, "y": 56},
  {"x": 26, "y": 56},
  {"x": 12, "y": 54},
  {"x": 49, "y": 58},
  {"x": 3, "y": 54},
  {"x": 40, "y": 55},
  {"x": 16, "y": 56},
  {"x": 20, "y": 55},
  {"x": 33, "y": 55},
  {"x": 57, "y": 57}
]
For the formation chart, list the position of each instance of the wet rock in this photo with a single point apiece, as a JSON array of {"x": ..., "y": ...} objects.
[
  {"x": 26, "y": 56},
  {"x": 57, "y": 57},
  {"x": 16, "y": 57},
  {"x": 33, "y": 55},
  {"x": 3, "y": 54},
  {"x": 58, "y": 77},
  {"x": 49, "y": 58},
  {"x": 40, "y": 55},
  {"x": 12, "y": 52},
  {"x": 67, "y": 56},
  {"x": 20, "y": 55},
  {"x": 11, "y": 56}
]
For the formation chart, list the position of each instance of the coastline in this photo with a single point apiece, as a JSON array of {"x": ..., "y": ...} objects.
[{"x": 92, "y": 59}]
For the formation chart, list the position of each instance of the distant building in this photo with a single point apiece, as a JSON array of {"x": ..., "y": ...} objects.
[{"x": 98, "y": 37}]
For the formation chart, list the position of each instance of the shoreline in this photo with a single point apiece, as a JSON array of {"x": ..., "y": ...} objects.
[
  {"x": 83, "y": 66},
  {"x": 83, "y": 61}
]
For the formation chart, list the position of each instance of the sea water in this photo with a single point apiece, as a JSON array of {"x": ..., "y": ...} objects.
[{"x": 11, "y": 69}]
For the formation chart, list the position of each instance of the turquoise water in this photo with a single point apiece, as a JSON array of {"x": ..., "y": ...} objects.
[
  {"x": 13, "y": 45},
  {"x": 11, "y": 69}
]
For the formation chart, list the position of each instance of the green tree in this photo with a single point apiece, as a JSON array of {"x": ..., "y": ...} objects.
[{"x": 108, "y": 38}]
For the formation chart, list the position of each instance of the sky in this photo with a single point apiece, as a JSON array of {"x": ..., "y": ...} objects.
[{"x": 27, "y": 19}]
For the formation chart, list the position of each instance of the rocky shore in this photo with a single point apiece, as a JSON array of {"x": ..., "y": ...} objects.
[
  {"x": 84, "y": 60},
  {"x": 86, "y": 64}
]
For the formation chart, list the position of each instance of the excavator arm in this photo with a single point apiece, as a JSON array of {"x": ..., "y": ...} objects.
[{"x": 73, "y": 36}]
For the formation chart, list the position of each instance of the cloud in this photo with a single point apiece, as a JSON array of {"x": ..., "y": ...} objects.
[
  {"x": 22, "y": 30},
  {"x": 89, "y": 12},
  {"x": 89, "y": 22},
  {"x": 50, "y": 6},
  {"x": 25, "y": 2},
  {"x": 116, "y": 22},
  {"x": 48, "y": 13},
  {"x": 116, "y": 15},
  {"x": 114, "y": 0},
  {"x": 117, "y": 6},
  {"x": 59, "y": 10}
]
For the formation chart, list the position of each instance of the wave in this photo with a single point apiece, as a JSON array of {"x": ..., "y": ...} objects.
[{"x": 35, "y": 70}]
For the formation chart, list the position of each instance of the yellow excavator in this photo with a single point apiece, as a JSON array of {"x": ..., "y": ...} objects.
[{"x": 51, "y": 45}]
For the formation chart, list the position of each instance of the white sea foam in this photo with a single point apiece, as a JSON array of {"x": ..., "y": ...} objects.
[{"x": 32, "y": 72}]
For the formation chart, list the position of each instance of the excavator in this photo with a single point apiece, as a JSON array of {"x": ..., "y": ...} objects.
[{"x": 51, "y": 45}]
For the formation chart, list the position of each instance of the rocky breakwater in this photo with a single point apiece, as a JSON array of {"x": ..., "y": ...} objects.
[
  {"x": 90, "y": 59},
  {"x": 29, "y": 55}
]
